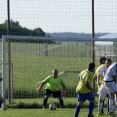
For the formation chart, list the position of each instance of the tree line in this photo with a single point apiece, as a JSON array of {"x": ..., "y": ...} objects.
[{"x": 17, "y": 29}]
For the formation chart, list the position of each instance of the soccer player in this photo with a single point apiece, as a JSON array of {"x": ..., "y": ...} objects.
[
  {"x": 52, "y": 83},
  {"x": 84, "y": 90},
  {"x": 1, "y": 99},
  {"x": 102, "y": 92},
  {"x": 99, "y": 80},
  {"x": 110, "y": 85}
]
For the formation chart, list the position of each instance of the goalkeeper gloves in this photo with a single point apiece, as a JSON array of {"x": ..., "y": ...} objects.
[
  {"x": 64, "y": 93},
  {"x": 39, "y": 89}
]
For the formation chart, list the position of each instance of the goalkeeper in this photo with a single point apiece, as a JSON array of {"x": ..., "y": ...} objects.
[{"x": 52, "y": 83}]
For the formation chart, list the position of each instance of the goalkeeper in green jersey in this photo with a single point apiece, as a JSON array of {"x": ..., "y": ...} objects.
[{"x": 52, "y": 83}]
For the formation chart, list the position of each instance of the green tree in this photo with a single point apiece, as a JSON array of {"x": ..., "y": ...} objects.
[{"x": 16, "y": 29}]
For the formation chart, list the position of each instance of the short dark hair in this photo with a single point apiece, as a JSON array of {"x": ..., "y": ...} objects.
[
  {"x": 91, "y": 65},
  {"x": 108, "y": 59},
  {"x": 102, "y": 58}
]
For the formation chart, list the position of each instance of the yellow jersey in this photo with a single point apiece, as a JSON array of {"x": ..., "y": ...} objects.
[
  {"x": 84, "y": 76},
  {"x": 97, "y": 73}
]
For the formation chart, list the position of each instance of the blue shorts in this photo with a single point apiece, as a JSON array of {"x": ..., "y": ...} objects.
[{"x": 87, "y": 96}]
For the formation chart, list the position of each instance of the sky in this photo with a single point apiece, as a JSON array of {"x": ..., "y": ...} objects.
[{"x": 62, "y": 15}]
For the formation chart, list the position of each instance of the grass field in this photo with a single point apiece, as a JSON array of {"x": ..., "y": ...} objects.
[{"x": 67, "y": 112}]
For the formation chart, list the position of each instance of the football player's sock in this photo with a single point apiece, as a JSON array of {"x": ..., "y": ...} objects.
[
  {"x": 91, "y": 107},
  {"x": 111, "y": 105},
  {"x": 100, "y": 105},
  {"x": 77, "y": 110},
  {"x": 45, "y": 102},
  {"x": 108, "y": 105},
  {"x": 102, "y": 111},
  {"x": 61, "y": 102},
  {"x": 0, "y": 104}
]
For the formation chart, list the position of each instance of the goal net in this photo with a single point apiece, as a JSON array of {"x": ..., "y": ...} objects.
[{"x": 27, "y": 60}]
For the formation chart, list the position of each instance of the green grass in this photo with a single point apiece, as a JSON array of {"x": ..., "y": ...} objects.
[
  {"x": 38, "y": 102},
  {"x": 67, "y": 112}
]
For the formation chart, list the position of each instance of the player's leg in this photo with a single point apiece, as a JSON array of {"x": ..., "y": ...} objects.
[
  {"x": 47, "y": 95},
  {"x": 102, "y": 92},
  {"x": 58, "y": 95},
  {"x": 100, "y": 106},
  {"x": 61, "y": 102},
  {"x": 81, "y": 99},
  {"x": 108, "y": 103},
  {"x": 1, "y": 101},
  {"x": 112, "y": 105},
  {"x": 102, "y": 111},
  {"x": 112, "y": 89},
  {"x": 101, "y": 103},
  {"x": 115, "y": 103},
  {"x": 90, "y": 97}
]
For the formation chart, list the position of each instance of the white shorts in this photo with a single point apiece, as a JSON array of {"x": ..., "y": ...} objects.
[
  {"x": 102, "y": 92},
  {"x": 110, "y": 86}
]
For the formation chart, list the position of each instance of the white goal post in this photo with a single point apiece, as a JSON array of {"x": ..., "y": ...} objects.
[
  {"x": 30, "y": 53},
  {"x": 4, "y": 72}
]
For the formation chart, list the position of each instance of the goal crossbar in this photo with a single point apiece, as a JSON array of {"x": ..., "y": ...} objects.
[{"x": 56, "y": 38}]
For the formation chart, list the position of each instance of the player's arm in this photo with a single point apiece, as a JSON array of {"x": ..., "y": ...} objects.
[
  {"x": 42, "y": 83},
  {"x": 64, "y": 88},
  {"x": 95, "y": 77},
  {"x": 114, "y": 78},
  {"x": 114, "y": 73},
  {"x": 40, "y": 87},
  {"x": 63, "y": 85},
  {"x": 100, "y": 74},
  {"x": 78, "y": 78},
  {"x": 98, "y": 79},
  {"x": 64, "y": 91},
  {"x": 88, "y": 86}
]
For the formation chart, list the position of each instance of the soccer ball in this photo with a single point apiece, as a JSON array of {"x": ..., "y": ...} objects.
[{"x": 52, "y": 107}]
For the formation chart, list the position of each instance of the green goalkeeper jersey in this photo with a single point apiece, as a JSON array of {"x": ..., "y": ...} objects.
[{"x": 53, "y": 83}]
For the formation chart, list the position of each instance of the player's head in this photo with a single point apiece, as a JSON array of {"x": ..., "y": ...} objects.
[
  {"x": 91, "y": 65},
  {"x": 102, "y": 60},
  {"x": 108, "y": 62},
  {"x": 55, "y": 73}
]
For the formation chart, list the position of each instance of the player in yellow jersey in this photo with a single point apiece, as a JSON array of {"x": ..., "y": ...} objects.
[
  {"x": 84, "y": 90},
  {"x": 52, "y": 83},
  {"x": 99, "y": 80}
]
